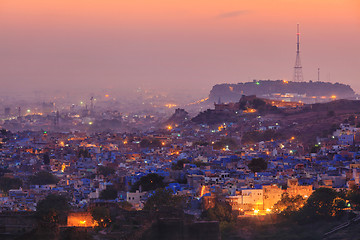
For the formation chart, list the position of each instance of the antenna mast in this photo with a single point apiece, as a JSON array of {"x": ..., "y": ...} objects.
[{"x": 298, "y": 75}]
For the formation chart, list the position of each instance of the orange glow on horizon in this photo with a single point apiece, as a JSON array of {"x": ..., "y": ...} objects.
[
  {"x": 197, "y": 12},
  {"x": 196, "y": 42}
]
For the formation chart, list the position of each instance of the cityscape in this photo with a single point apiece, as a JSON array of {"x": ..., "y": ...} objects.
[{"x": 179, "y": 120}]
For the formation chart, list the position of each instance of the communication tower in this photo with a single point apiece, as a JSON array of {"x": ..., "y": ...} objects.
[{"x": 298, "y": 75}]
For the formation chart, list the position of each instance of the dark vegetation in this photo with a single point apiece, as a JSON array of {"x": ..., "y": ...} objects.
[
  {"x": 52, "y": 210},
  {"x": 293, "y": 218},
  {"x": 179, "y": 165},
  {"x": 225, "y": 142},
  {"x": 46, "y": 158},
  {"x": 83, "y": 153},
  {"x": 110, "y": 193},
  {"x": 7, "y": 183},
  {"x": 101, "y": 215},
  {"x": 212, "y": 117},
  {"x": 43, "y": 178},
  {"x": 257, "y": 165},
  {"x": 164, "y": 199},
  {"x": 105, "y": 171},
  {"x": 149, "y": 182},
  {"x": 150, "y": 143},
  {"x": 258, "y": 136},
  {"x": 221, "y": 212},
  {"x": 288, "y": 205}
]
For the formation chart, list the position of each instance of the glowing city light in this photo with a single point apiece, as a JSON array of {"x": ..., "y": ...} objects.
[
  {"x": 202, "y": 191},
  {"x": 170, "y": 105}
]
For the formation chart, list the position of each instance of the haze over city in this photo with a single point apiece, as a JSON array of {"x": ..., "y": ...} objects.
[
  {"x": 173, "y": 45},
  {"x": 179, "y": 119}
]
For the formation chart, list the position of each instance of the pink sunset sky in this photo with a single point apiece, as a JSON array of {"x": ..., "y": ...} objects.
[{"x": 174, "y": 44}]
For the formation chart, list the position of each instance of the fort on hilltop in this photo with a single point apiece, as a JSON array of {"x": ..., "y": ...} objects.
[{"x": 282, "y": 90}]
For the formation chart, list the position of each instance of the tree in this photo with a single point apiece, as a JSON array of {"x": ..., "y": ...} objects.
[
  {"x": 101, "y": 215},
  {"x": 288, "y": 205},
  {"x": 46, "y": 159},
  {"x": 3, "y": 132},
  {"x": 105, "y": 171},
  {"x": 351, "y": 120},
  {"x": 163, "y": 198},
  {"x": 3, "y": 171},
  {"x": 179, "y": 165},
  {"x": 7, "y": 183},
  {"x": 331, "y": 113},
  {"x": 257, "y": 165},
  {"x": 110, "y": 193},
  {"x": 53, "y": 209},
  {"x": 315, "y": 148},
  {"x": 149, "y": 182},
  {"x": 150, "y": 143},
  {"x": 126, "y": 206},
  {"x": 222, "y": 143},
  {"x": 256, "y": 136},
  {"x": 199, "y": 163},
  {"x": 323, "y": 203},
  {"x": 221, "y": 212},
  {"x": 200, "y": 143},
  {"x": 354, "y": 196},
  {"x": 258, "y": 103},
  {"x": 83, "y": 152},
  {"x": 43, "y": 178}
]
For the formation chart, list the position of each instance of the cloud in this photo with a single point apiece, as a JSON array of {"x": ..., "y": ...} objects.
[{"x": 233, "y": 14}]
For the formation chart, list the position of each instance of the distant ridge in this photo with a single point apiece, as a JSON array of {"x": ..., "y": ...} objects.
[{"x": 271, "y": 88}]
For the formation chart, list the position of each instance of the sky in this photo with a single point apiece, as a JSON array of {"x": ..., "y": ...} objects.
[{"x": 174, "y": 44}]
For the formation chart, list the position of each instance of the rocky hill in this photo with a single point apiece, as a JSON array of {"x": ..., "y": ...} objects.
[
  {"x": 180, "y": 116},
  {"x": 306, "y": 122}
]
